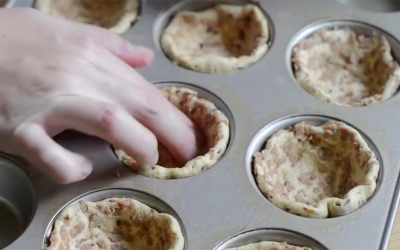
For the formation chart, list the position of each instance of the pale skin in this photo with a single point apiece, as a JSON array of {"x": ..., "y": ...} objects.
[{"x": 57, "y": 75}]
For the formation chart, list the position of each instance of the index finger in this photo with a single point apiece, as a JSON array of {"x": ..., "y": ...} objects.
[{"x": 174, "y": 129}]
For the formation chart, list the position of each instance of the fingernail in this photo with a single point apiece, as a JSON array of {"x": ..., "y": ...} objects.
[
  {"x": 86, "y": 171},
  {"x": 86, "y": 168},
  {"x": 137, "y": 56}
]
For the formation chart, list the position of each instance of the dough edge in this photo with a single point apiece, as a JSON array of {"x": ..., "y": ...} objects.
[
  {"x": 131, "y": 14},
  {"x": 211, "y": 63},
  {"x": 198, "y": 164},
  {"x": 75, "y": 210},
  {"x": 350, "y": 201}
]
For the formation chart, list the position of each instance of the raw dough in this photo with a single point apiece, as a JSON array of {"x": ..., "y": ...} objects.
[
  {"x": 270, "y": 245},
  {"x": 213, "y": 125},
  {"x": 346, "y": 69},
  {"x": 317, "y": 171},
  {"x": 221, "y": 39},
  {"x": 115, "y": 15},
  {"x": 116, "y": 223}
]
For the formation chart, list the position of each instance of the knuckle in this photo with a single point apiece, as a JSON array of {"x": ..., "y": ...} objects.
[
  {"x": 154, "y": 103},
  {"x": 85, "y": 43},
  {"x": 109, "y": 118},
  {"x": 58, "y": 65},
  {"x": 87, "y": 47},
  {"x": 81, "y": 46},
  {"x": 86, "y": 56},
  {"x": 57, "y": 73}
]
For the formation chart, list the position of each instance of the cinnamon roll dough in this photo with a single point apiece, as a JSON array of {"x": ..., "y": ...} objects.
[
  {"x": 212, "y": 140},
  {"x": 114, "y": 15},
  {"x": 221, "y": 39},
  {"x": 342, "y": 68},
  {"x": 115, "y": 223},
  {"x": 317, "y": 171}
]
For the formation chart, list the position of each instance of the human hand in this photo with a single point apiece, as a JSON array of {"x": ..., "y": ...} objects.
[{"x": 57, "y": 75}]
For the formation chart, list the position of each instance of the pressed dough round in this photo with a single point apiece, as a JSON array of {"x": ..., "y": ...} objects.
[
  {"x": 114, "y": 15},
  {"x": 115, "y": 224},
  {"x": 221, "y": 39},
  {"x": 317, "y": 171},
  {"x": 342, "y": 68},
  {"x": 270, "y": 245},
  {"x": 212, "y": 140}
]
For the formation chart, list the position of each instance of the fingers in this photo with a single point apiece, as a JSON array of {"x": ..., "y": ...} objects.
[
  {"x": 116, "y": 68},
  {"x": 169, "y": 124},
  {"x": 47, "y": 26},
  {"x": 135, "y": 56},
  {"x": 147, "y": 104},
  {"x": 110, "y": 123},
  {"x": 49, "y": 157}
]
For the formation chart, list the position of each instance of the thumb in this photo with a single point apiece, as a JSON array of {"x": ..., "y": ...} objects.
[
  {"x": 133, "y": 55},
  {"x": 38, "y": 148}
]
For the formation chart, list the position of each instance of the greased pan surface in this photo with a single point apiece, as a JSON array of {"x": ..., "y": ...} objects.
[{"x": 222, "y": 207}]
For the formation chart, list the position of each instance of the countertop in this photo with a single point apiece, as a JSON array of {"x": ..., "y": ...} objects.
[{"x": 394, "y": 243}]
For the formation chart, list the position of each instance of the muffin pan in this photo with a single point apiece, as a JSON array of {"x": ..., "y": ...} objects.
[
  {"x": 269, "y": 234},
  {"x": 17, "y": 200},
  {"x": 359, "y": 29},
  {"x": 334, "y": 207},
  {"x": 213, "y": 132},
  {"x": 106, "y": 193},
  {"x": 223, "y": 207}
]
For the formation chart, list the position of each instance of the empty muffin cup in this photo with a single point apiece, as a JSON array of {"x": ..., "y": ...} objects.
[
  {"x": 115, "y": 218},
  {"x": 216, "y": 37},
  {"x": 114, "y": 15},
  {"x": 346, "y": 63},
  {"x": 17, "y": 200},
  {"x": 270, "y": 238},
  {"x": 315, "y": 167},
  {"x": 213, "y": 133}
]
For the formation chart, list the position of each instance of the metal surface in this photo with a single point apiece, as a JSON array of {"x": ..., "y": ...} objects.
[
  {"x": 374, "y": 5},
  {"x": 17, "y": 200},
  {"x": 270, "y": 234},
  {"x": 3, "y": 3},
  {"x": 101, "y": 194},
  {"x": 223, "y": 201},
  {"x": 360, "y": 28},
  {"x": 260, "y": 139}
]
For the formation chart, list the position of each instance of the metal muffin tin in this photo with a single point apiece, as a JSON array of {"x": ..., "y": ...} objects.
[
  {"x": 222, "y": 207},
  {"x": 105, "y": 193}
]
